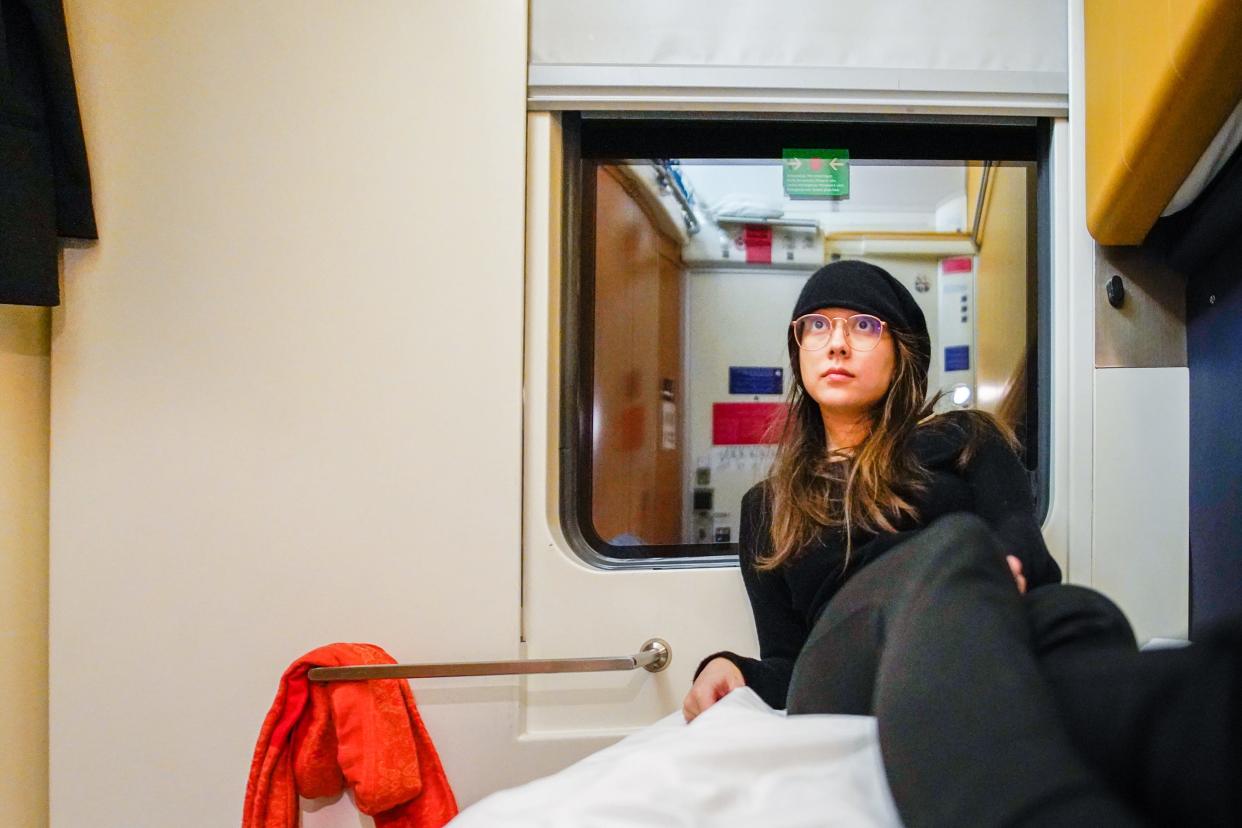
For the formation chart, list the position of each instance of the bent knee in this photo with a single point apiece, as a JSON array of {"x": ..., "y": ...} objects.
[{"x": 959, "y": 539}]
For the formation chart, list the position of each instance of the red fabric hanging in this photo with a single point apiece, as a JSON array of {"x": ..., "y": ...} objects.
[{"x": 320, "y": 737}]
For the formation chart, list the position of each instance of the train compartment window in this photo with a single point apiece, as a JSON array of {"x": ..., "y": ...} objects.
[{"x": 688, "y": 240}]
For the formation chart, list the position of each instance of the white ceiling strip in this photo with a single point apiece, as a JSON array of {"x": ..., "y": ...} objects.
[{"x": 955, "y": 55}]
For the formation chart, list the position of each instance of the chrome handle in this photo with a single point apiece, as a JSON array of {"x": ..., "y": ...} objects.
[{"x": 653, "y": 656}]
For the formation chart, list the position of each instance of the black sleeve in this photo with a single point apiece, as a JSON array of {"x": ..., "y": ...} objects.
[
  {"x": 1002, "y": 494},
  {"x": 55, "y": 95},
  {"x": 781, "y": 629}
]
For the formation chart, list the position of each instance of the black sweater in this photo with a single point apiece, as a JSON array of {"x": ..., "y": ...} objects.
[{"x": 787, "y": 601}]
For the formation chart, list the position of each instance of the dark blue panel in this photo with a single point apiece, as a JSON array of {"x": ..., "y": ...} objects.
[
  {"x": 743, "y": 380},
  {"x": 957, "y": 358},
  {"x": 1214, "y": 352}
]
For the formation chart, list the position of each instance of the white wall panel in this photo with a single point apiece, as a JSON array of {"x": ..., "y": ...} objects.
[
  {"x": 270, "y": 430},
  {"x": 572, "y": 610},
  {"x": 1067, "y": 527},
  {"x": 1140, "y": 550}
]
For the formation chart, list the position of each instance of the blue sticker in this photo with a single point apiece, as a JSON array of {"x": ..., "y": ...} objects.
[
  {"x": 957, "y": 358},
  {"x": 744, "y": 380}
]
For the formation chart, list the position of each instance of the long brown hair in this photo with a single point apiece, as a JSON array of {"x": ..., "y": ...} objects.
[{"x": 874, "y": 486}]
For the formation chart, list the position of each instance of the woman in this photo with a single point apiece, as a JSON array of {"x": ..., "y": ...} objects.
[{"x": 895, "y": 567}]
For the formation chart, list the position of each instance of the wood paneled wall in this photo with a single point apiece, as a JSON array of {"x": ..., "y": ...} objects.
[
  {"x": 1005, "y": 317},
  {"x": 638, "y": 490}
]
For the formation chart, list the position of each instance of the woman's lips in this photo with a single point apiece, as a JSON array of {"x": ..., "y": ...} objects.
[{"x": 837, "y": 375}]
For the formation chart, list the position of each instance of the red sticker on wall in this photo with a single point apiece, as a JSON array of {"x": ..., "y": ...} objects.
[
  {"x": 758, "y": 239},
  {"x": 961, "y": 264},
  {"x": 746, "y": 423}
]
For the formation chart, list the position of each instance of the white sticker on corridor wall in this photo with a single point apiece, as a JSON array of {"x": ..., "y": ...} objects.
[{"x": 668, "y": 425}]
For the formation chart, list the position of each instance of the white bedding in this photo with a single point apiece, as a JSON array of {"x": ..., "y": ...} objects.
[{"x": 740, "y": 763}]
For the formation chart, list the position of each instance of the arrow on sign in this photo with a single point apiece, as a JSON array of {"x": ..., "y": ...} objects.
[
  {"x": 793, "y": 163},
  {"x": 836, "y": 163}
]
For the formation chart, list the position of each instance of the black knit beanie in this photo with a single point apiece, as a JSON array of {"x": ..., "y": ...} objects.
[{"x": 865, "y": 288}]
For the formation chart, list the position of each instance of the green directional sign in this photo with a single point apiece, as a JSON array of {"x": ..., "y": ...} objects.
[{"x": 816, "y": 173}]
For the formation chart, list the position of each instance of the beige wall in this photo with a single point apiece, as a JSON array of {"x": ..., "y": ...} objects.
[
  {"x": 269, "y": 432},
  {"x": 23, "y": 564},
  {"x": 1002, "y": 280}
]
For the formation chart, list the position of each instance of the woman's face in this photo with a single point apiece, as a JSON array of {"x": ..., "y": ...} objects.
[{"x": 843, "y": 379}]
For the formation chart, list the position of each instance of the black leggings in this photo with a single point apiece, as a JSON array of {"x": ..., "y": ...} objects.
[{"x": 1000, "y": 709}]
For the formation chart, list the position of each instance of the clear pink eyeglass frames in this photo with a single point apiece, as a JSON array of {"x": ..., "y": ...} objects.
[{"x": 813, "y": 331}]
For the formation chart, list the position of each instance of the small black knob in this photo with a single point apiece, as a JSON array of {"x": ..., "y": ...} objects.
[{"x": 1115, "y": 290}]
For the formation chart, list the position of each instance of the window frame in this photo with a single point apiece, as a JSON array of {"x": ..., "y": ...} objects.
[{"x": 589, "y": 138}]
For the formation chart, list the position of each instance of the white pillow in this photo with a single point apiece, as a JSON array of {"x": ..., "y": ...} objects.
[{"x": 747, "y": 207}]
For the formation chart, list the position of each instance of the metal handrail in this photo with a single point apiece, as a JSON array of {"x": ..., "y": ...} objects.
[
  {"x": 666, "y": 178},
  {"x": 975, "y": 234},
  {"x": 653, "y": 656},
  {"x": 810, "y": 224}
]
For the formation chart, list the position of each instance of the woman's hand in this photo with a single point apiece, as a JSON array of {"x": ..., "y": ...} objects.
[
  {"x": 1015, "y": 566},
  {"x": 717, "y": 680}
]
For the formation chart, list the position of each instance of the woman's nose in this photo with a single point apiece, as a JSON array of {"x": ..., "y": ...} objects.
[{"x": 837, "y": 341}]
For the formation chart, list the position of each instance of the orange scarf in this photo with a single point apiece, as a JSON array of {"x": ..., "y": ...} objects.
[{"x": 321, "y": 736}]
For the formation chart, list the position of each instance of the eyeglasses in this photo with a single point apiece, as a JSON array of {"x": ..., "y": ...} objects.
[{"x": 814, "y": 331}]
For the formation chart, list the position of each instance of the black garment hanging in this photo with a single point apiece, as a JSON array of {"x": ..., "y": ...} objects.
[{"x": 45, "y": 189}]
